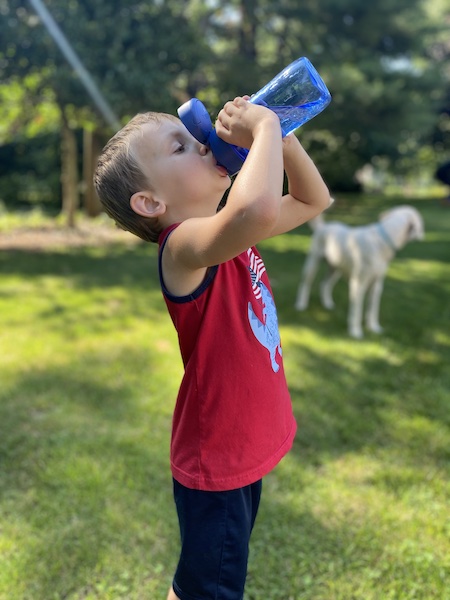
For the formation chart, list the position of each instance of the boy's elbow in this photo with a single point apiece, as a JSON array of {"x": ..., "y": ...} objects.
[
  {"x": 267, "y": 211},
  {"x": 320, "y": 204},
  {"x": 323, "y": 200},
  {"x": 261, "y": 216},
  {"x": 326, "y": 201}
]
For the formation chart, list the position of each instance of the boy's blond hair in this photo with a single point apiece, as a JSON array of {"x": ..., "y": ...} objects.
[{"x": 119, "y": 175}]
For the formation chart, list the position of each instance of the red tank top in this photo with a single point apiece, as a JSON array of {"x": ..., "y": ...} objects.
[{"x": 233, "y": 419}]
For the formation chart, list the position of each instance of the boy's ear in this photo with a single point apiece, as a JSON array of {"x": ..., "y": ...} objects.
[{"x": 147, "y": 205}]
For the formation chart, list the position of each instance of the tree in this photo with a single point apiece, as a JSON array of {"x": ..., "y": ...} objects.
[
  {"x": 384, "y": 82},
  {"x": 137, "y": 53},
  {"x": 383, "y": 62},
  {"x": 376, "y": 59}
]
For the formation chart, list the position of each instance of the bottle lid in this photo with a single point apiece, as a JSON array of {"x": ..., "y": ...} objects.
[{"x": 197, "y": 121}]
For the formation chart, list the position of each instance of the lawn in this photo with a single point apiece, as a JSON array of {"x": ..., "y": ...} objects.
[{"x": 89, "y": 367}]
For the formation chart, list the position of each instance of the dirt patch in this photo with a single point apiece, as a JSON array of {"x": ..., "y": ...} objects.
[{"x": 39, "y": 239}]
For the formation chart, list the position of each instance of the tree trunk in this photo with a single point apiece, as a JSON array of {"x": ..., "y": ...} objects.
[
  {"x": 69, "y": 173},
  {"x": 91, "y": 151},
  {"x": 247, "y": 33}
]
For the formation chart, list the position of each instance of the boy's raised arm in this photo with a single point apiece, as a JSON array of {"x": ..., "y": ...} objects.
[
  {"x": 307, "y": 194},
  {"x": 253, "y": 204}
]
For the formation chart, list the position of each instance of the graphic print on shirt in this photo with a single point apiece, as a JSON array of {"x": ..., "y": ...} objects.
[{"x": 266, "y": 332}]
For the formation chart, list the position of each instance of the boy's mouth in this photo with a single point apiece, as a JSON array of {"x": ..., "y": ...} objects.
[{"x": 222, "y": 170}]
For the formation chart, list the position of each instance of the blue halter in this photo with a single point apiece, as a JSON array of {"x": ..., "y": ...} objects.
[{"x": 386, "y": 237}]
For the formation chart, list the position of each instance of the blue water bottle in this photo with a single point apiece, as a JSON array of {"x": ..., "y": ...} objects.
[{"x": 296, "y": 95}]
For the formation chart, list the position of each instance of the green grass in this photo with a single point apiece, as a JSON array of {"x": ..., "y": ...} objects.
[{"x": 89, "y": 368}]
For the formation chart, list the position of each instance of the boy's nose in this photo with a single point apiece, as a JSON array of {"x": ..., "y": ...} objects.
[{"x": 204, "y": 149}]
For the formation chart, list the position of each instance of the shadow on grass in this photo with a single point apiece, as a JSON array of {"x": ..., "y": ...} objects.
[
  {"x": 85, "y": 498},
  {"x": 113, "y": 265},
  {"x": 374, "y": 400},
  {"x": 85, "y": 482},
  {"x": 322, "y": 556}
]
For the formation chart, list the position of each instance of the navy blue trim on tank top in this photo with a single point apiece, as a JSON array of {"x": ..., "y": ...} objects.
[{"x": 210, "y": 274}]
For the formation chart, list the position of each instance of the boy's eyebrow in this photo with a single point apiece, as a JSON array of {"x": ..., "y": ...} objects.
[
  {"x": 170, "y": 140},
  {"x": 179, "y": 131},
  {"x": 175, "y": 134}
]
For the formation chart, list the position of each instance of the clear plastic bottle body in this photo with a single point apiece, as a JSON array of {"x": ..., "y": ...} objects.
[{"x": 296, "y": 95}]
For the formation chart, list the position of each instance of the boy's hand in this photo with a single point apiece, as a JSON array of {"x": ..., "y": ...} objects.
[
  {"x": 289, "y": 141},
  {"x": 239, "y": 121},
  {"x": 291, "y": 145}
]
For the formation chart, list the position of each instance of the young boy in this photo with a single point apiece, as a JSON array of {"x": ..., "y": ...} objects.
[{"x": 233, "y": 419}]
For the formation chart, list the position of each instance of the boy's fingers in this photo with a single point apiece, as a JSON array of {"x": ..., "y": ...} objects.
[
  {"x": 226, "y": 114},
  {"x": 239, "y": 101},
  {"x": 228, "y": 109},
  {"x": 220, "y": 124},
  {"x": 223, "y": 119}
]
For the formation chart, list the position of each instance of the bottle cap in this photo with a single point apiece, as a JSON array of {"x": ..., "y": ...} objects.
[{"x": 197, "y": 121}]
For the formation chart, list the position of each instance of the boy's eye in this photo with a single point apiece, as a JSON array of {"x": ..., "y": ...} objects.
[{"x": 180, "y": 148}]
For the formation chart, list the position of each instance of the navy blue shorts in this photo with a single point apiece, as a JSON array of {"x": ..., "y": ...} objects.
[{"x": 215, "y": 530}]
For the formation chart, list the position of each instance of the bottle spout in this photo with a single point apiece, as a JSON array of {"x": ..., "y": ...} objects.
[{"x": 197, "y": 121}]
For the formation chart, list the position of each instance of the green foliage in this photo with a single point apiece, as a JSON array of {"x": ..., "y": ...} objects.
[
  {"x": 378, "y": 59},
  {"x": 90, "y": 371},
  {"x": 385, "y": 63},
  {"x": 135, "y": 52},
  {"x": 29, "y": 172},
  {"x": 26, "y": 111}
]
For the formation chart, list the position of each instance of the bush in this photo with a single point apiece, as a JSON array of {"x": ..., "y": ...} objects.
[{"x": 30, "y": 172}]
